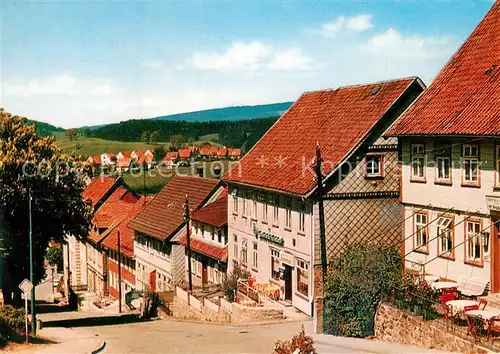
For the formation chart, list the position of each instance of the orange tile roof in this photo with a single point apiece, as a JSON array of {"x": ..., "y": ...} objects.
[
  {"x": 205, "y": 150},
  {"x": 126, "y": 154},
  {"x": 214, "y": 214},
  {"x": 185, "y": 153},
  {"x": 98, "y": 188},
  {"x": 164, "y": 215},
  {"x": 125, "y": 162},
  {"x": 146, "y": 158},
  {"x": 95, "y": 159},
  {"x": 464, "y": 99},
  {"x": 222, "y": 152},
  {"x": 337, "y": 119},
  {"x": 171, "y": 155},
  {"x": 126, "y": 233},
  {"x": 213, "y": 251},
  {"x": 235, "y": 152}
]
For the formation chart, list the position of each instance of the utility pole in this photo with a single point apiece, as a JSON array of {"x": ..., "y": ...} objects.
[
  {"x": 119, "y": 275},
  {"x": 322, "y": 232},
  {"x": 188, "y": 238},
  {"x": 32, "y": 278}
]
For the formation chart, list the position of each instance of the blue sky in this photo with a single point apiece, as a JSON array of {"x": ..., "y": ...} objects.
[{"x": 75, "y": 63}]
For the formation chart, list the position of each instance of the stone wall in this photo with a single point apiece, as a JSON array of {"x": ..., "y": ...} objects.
[
  {"x": 182, "y": 310},
  {"x": 396, "y": 326},
  {"x": 243, "y": 314}
]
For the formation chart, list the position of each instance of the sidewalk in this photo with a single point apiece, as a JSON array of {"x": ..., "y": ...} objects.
[{"x": 69, "y": 341}]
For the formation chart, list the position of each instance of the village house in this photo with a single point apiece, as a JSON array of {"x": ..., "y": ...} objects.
[
  {"x": 123, "y": 155},
  {"x": 105, "y": 222},
  {"x": 108, "y": 158},
  {"x": 234, "y": 154},
  {"x": 94, "y": 160},
  {"x": 450, "y": 178},
  {"x": 136, "y": 154},
  {"x": 161, "y": 262},
  {"x": 75, "y": 251},
  {"x": 124, "y": 164},
  {"x": 208, "y": 242},
  {"x": 273, "y": 219}
]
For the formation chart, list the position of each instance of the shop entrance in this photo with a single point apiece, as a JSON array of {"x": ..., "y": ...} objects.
[{"x": 288, "y": 283}]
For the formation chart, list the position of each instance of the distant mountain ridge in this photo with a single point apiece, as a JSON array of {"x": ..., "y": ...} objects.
[
  {"x": 44, "y": 129},
  {"x": 233, "y": 113}
]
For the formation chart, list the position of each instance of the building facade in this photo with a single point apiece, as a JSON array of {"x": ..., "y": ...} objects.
[{"x": 450, "y": 176}]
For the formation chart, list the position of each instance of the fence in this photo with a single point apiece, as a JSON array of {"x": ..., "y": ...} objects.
[{"x": 255, "y": 295}]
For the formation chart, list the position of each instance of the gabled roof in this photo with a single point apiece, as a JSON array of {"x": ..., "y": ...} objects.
[
  {"x": 222, "y": 152},
  {"x": 213, "y": 251},
  {"x": 126, "y": 233},
  {"x": 125, "y": 162},
  {"x": 126, "y": 154},
  {"x": 95, "y": 159},
  {"x": 146, "y": 158},
  {"x": 338, "y": 119},
  {"x": 139, "y": 153},
  {"x": 205, "y": 150},
  {"x": 214, "y": 214},
  {"x": 464, "y": 99},
  {"x": 171, "y": 155},
  {"x": 98, "y": 188},
  {"x": 165, "y": 214},
  {"x": 185, "y": 153},
  {"x": 235, "y": 152}
]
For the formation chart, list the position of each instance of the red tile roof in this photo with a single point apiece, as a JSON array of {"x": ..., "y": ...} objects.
[
  {"x": 95, "y": 159},
  {"x": 235, "y": 152},
  {"x": 111, "y": 155},
  {"x": 222, "y": 152},
  {"x": 165, "y": 214},
  {"x": 185, "y": 153},
  {"x": 125, "y": 162},
  {"x": 205, "y": 150},
  {"x": 126, "y": 233},
  {"x": 214, "y": 214},
  {"x": 126, "y": 154},
  {"x": 205, "y": 248},
  {"x": 171, "y": 155},
  {"x": 464, "y": 99},
  {"x": 139, "y": 153},
  {"x": 337, "y": 119},
  {"x": 98, "y": 188},
  {"x": 146, "y": 158},
  {"x": 214, "y": 150}
]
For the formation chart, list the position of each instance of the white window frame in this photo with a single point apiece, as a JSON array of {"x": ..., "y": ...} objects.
[
  {"x": 471, "y": 164},
  {"x": 373, "y": 165},
  {"x": 255, "y": 256},
  {"x": 302, "y": 218},
  {"x": 244, "y": 252},
  {"x": 235, "y": 205},
  {"x": 288, "y": 213},
  {"x": 275, "y": 261},
  {"x": 420, "y": 231},
  {"x": 264, "y": 213},
  {"x": 446, "y": 243},
  {"x": 443, "y": 172},
  {"x": 417, "y": 162},
  {"x": 254, "y": 209},
  {"x": 235, "y": 246},
  {"x": 474, "y": 239},
  {"x": 244, "y": 207},
  {"x": 302, "y": 270}
]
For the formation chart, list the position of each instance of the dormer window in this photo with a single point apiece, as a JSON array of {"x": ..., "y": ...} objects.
[{"x": 373, "y": 166}]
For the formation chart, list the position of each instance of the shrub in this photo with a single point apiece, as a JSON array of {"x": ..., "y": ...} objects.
[
  {"x": 301, "y": 342},
  {"x": 11, "y": 320},
  {"x": 230, "y": 284}
]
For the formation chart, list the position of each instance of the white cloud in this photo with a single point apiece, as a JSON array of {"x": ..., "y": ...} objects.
[
  {"x": 357, "y": 23},
  {"x": 60, "y": 85},
  {"x": 252, "y": 56},
  {"x": 240, "y": 55},
  {"x": 392, "y": 43},
  {"x": 291, "y": 59},
  {"x": 152, "y": 64}
]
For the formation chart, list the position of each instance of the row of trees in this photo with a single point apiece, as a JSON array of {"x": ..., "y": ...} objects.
[
  {"x": 231, "y": 133},
  {"x": 28, "y": 161}
]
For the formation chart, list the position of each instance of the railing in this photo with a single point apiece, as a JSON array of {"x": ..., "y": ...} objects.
[{"x": 255, "y": 295}]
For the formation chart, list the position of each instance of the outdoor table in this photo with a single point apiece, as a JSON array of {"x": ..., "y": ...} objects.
[
  {"x": 431, "y": 279},
  {"x": 485, "y": 314},
  {"x": 457, "y": 306},
  {"x": 440, "y": 285}
]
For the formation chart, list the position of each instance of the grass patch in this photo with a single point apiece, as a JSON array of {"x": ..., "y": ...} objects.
[{"x": 93, "y": 146}]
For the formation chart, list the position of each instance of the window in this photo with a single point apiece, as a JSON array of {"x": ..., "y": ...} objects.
[
  {"x": 264, "y": 213},
  {"x": 302, "y": 218},
  {"x": 203, "y": 231},
  {"x": 276, "y": 211},
  {"x": 373, "y": 166},
  {"x": 303, "y": 277},
  {"x": 254, "y": 209},
  {"x": 235, "y": 205},
  {"x": 219, "y": 236},
  {"x": 193, "y": 265},
  {"x": 418, "y": 161},
  {"x": 445, "y": 236},
  {"x": 244, "y": 255},
  {"x": 196, "y": 229},
  {"x": 497, "y": 166},
  {"x": 213, "y": 234},
  {"x": 288, "y": 214},
  {"x": 244, "y": 207},
  {"x": 473, "y": 236},
  {"x": 443, "y": 168},
  {"x": 275, "y": 264},
  {"x": 255, "y": 257},
  {"x": 420, "y": 230},
  {"x": 470, "y": 164},
  {"x": 235, "y": 247}
]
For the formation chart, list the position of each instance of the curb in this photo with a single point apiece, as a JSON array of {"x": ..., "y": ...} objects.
[
  {"x": 98, "y": 349},
  {"x": 247, "y": 324}
]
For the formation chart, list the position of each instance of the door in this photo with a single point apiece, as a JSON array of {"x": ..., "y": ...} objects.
[
  {"x": 495, "y": 254},
  {"x": 288, "y": 282},
  {"x": 204, "y": 273},
  {"x": 152, "y": 280}
]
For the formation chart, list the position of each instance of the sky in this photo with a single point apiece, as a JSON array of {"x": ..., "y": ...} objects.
[{"x": 87, "y": 62}]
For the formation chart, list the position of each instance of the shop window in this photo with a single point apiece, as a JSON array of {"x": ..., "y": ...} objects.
[
  {"x": 275, "y": 264},
  {"x": 303, "y": 277},
  {"x": 474, "y": 238}
]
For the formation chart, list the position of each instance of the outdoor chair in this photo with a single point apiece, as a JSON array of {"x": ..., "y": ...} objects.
[
  {"x": 474, "y": 323},
  {"x": 482, "y": 304},
  {"x": 447, "y": 312},
  {"x": 494, "y": 328}
]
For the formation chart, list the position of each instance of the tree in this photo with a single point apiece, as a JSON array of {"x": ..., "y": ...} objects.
[
  {"x": 154, "y": 137},
  {"x": 31, "y": 162},
  {"x": 146, "y": 136},
  {"x": 55, "y": 257},
  {"x": 72, "y": 134},
  {"x": 159, "y": 153},
  {"x": 177, "y": 141}
]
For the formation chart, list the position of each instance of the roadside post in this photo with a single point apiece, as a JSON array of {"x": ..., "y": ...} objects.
[{"x": 26, "y": 286}]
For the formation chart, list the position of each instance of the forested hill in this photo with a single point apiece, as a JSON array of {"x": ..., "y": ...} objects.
[
  {"x": 44, "y": 129},
  {"x": 230, "y": 133},
  {"x": 231, "y": 113}
]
